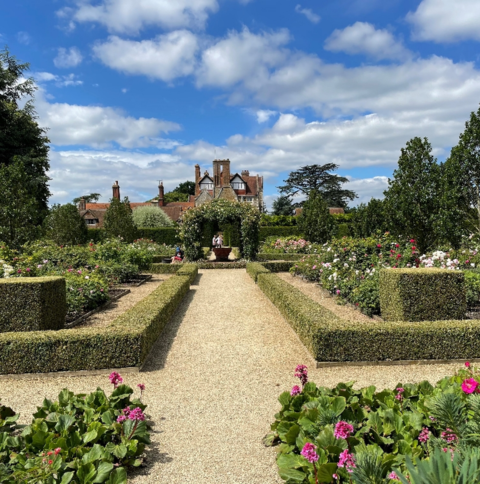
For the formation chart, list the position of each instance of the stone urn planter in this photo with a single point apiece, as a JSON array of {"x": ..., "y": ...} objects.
[{"x": 222, "y": 253}]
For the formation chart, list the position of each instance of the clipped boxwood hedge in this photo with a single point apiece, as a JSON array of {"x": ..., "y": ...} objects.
[
  {"x": 126, "y": 342},
  {"x": 254, "y": 269},
  {"x": 32, "y": 303},
  {"x": 188, "y": 270},
  {"x": 158, "y": 258},
  {"x": 278, "y": 232},
  {"x": 422, "y": 294},
  {"x": 268, "y": 256},
  {"x": 161, "y": 268},
  {"x": 278, "y": 266},
  {"x": 332, "y": 339},
  {"x": 222, "y": 265}
]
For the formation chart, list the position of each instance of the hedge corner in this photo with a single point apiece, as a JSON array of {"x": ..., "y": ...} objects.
[
  {"x": 32, "y": 304},
  {"x": 422, "y": 295},
  {"x": 254, "y": 269}
]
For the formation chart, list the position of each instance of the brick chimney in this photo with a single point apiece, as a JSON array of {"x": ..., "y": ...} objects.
[
  {"x": 161, "y": 194},
  {"x": 116, "y": 190},
  {"x": 197, "y": 180},
  {"x": 245, "y": 173},
  {"x": 82, "y": 206}
]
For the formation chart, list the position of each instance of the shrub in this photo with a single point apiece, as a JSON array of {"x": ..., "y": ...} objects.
[
  {"x": 151, "y": 217},
  {"x": 364, "y": 436},
  {"x": 315, "y": 221},
  {"x": 278, "y": 220},
  {"x": 119, "y": 220},
  {"x": 77, "y": 436},
  {"x": 188, "y": 270},
  {"x": 32, "y": 304},
  {"x": 277, "y": 256},
  {"x": 278, "y": 266},
  {"x": 163, "y": 235},
  {"x": 65, "y": 226},
  {"x": 422, "y": 294},
  {"x": 161, "y": 268},
  {"x": 287, "y": 245},
  {"x": 254, "y": 269},
  {"x": 293, "y": 231},
  {"x": 472, "y": 285}
]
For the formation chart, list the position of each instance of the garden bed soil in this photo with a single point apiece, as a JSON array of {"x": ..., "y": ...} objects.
[
  {"x": 323, "y": 297},
  {"x": 116, "y": 308},
  {"x": 74, "y": 319}
]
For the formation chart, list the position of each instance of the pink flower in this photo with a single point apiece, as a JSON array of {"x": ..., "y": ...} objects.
[
  {"x": 28, "y": 269},
  {"x": 338, "y": 292},
  {"x": 19, "y": 271},
  {"x": 469, "y": 385},
  {"x": 343, "y": 430},
  {"x": 121, "y": 418},
  {"x": 50, "y": 462},
  {"x": 412, "y": 241},
  {"x": 301, "y": 372},
  {"x": 309, "y": 453},
  {"x": 392, "y": 476},
  {"x": 314, "y": 267},
  {"x": 115, "y": 379},
  {"x": 141, "y": 386},
  {"x": 136, "y": 414},
  {"x": 58, "y": 450},
  {"x": 467, "y": 364},
  {"x": 347, "y": 460},
  {"x": 335, "y": 476},
  {"x": 295, "y": 391},
  {"x": 424, "y": 435},
  {"x": 449, "y": 436},
  {"x": 379, "y": 246}
]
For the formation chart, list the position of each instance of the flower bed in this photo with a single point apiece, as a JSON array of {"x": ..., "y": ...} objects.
[
  {"x": 79, "y": 438},
  {"x": 344, "y": 435},
  {"x": 349, "y": 268}
]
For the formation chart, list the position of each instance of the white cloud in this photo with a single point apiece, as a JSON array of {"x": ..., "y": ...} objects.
[
  {"x": 130, "y": 17},
  {"x": 313, "y": 17},
  {"x": 24, "y": 38},
  {"x": 166, "y": 57},
  {"x": 367, "y": 188},
  {"x": 68, "y": 57},
  {"x": 242, "y": 56},
  {"x": 446, "y": 20},
  {"x": 97, "y": 126},
  {"x": 60, "y": 81},
  {"x": 264, "y": 115},
  {"x": 363, "y": 38}
]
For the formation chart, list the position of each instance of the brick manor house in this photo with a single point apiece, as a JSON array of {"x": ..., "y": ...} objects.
[{"x": 239, "y": 188}]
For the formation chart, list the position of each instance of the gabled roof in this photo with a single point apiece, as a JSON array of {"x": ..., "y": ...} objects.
[
  {"x": 184, "y": 205},
  {"x": 203, "y": 178},
  {"x": 235, "y": 176}
]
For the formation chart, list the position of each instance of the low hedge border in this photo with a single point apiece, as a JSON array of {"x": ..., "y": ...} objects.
[
  {"x": 188, "y": 270},
  {"x": 278, "y": 231},
  {"x": 422, "y": 294},
  {"x": 290, "y": 257},
  {"x": 124, "y": 343},
  {"x": 158, "y": 258},
  {"x": 332, "y": 339},
  {"x": 254, "y": 269},
  {"x": 32, "y": 304},
  {"x": 222, "y": 265},
  {"x": 161, "y": 268},
  {"x": 278, "y": 266}
]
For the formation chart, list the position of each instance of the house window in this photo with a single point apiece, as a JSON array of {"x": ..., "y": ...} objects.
[
  {"x": 206, "y": 186},
  {"x": 249, "y": 199},
  {"x": 92, "y": 221},
  {"x": 238, "y": 186}
]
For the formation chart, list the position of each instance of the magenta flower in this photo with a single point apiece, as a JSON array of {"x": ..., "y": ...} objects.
[
  {"x": 136, "y": 414},
  {"x": 392, "y": 476},
  {"x": 121, "y": 418},
  {"x": 467, "y": 364},
  {"x": 115, "y": 379},
  {"x": 343, "y": 430},
  {"x": 309, "y": 453},
  {"x": 424, "y": 435},
  {"x": 449, "y": 436},
  {"x": 347, "y": 460},
  {"x": 469, "y": 385},
  {"x": 295, "y": 391},
  {"x": 141, "y": 386},
  {"x": 301, "y": 372}
]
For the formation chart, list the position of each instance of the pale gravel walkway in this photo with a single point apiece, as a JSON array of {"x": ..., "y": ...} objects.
[{"x": 213, "y": 380}]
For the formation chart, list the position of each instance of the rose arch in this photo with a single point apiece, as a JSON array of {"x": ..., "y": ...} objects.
[{"x": 219, "y": 212}]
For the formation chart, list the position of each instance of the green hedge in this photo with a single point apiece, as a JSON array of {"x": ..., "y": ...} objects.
[
  {"x": 422, "y": 294},
  {"x": 161, "y": 235},
  {"x": 161, "y": 268},
  {"x": 332, "y": 339},
  {"x": 254, "y": 269},
  {"x": 188, "y": 270},
  {"x": 289, "y": 257},
  {"x": 126, "y": 342},
  {"x": 278, "y": 232},
  {"x": 32, "y": 304},
  {"x": 158, "y": 259},
  {"x": 222, "y": 265},
  {"x": 278, "y": 266}
]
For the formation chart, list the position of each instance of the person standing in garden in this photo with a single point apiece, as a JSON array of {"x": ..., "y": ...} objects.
[
  {"x": 219, "y": 240},
  {"x": 214, "y": 241}
]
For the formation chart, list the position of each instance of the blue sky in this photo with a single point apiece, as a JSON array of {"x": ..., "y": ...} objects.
[{"x": 141, "y": 90}]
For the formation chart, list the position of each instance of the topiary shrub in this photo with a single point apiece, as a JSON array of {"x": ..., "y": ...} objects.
[
  {"x": 119, "y": 220},
  {"x": 65, "y": 226},
  {"x": 422, "y": 294},
  {"x": 32, "y": 303},
  {"x": 151, "y": 217}
]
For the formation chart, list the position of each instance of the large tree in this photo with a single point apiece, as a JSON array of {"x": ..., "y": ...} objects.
[
  {"x": 23, "y": 142},
  {"x": 90, "y": 198},
  {"x": 119, "y": 220},
  {"x": 282, "y": 206},
  {"x": 315, "y": 222},
  {"x": 412, "y": 200},
  {"x": 369, "y": 218},
  {"x": 464, "y": 164},
  {"x": 319, "y": 179},
  {"x": 64, "y": 225}
]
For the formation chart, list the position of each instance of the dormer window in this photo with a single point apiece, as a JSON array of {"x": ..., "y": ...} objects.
[{"x": 238, "y": 186}]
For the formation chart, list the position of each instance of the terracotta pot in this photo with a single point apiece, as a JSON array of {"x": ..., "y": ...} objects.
[{"x": 222, "y": 253}]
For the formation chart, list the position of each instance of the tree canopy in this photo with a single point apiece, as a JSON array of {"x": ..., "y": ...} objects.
[
  {"x": 282, "y": 205},
  {"x": 319, "y": 179},
  {"x": 119, "y": 220},
  {"x": 64, "y": 225},
  {"x": 151, "y": 217},
  {"x": 316, "y": 222},
  {"x": 92, "y": 197}
]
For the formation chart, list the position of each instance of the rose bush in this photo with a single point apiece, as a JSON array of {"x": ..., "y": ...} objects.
[{"x": 345, "y": 435}]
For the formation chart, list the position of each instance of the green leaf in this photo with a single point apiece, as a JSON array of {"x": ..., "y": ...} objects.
[
  {"x": 120, "y": 451},
  {"x": 38, "y": 439},
  {"x": 67, "y": 477},
  {"x": 103, "y": 471},
  {"x": 64, "y": 423},
  {"x": 94, "y": 454},
  {"x": 338, "y": 405},
  {"x": 285, "y": 398},
  {"x": 291, "y": 435},
  {"x": 86, "y": 473},
  {"x": 293, "y": 461},
  {"x": 108, "y": 417},
  {"x": 64, "y": 397},
  {"x": 118, "y": 476},
  {"x": 325, "y": 472},
  {"x": 89, "y": 436},
  {"x": 291, "y": 474}
]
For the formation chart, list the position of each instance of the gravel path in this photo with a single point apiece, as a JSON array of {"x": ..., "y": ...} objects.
[
  {"x": 213, "y": 380},
  {"x": 323, "y": 297}
]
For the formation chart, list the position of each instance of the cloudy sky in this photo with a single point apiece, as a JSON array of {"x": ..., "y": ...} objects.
[{"x": 141, "y": 90}]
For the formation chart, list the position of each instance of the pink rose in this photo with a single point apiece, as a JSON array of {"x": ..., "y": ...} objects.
[{"x": 469, "y": 385}]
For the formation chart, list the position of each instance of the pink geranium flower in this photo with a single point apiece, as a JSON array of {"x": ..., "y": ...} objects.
[
  {"x": 309, "y": 453},
  {"x": 343, "y": 430},
  {"x": 469, "y": 385},
  {"x": 347, "y": 460}
]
